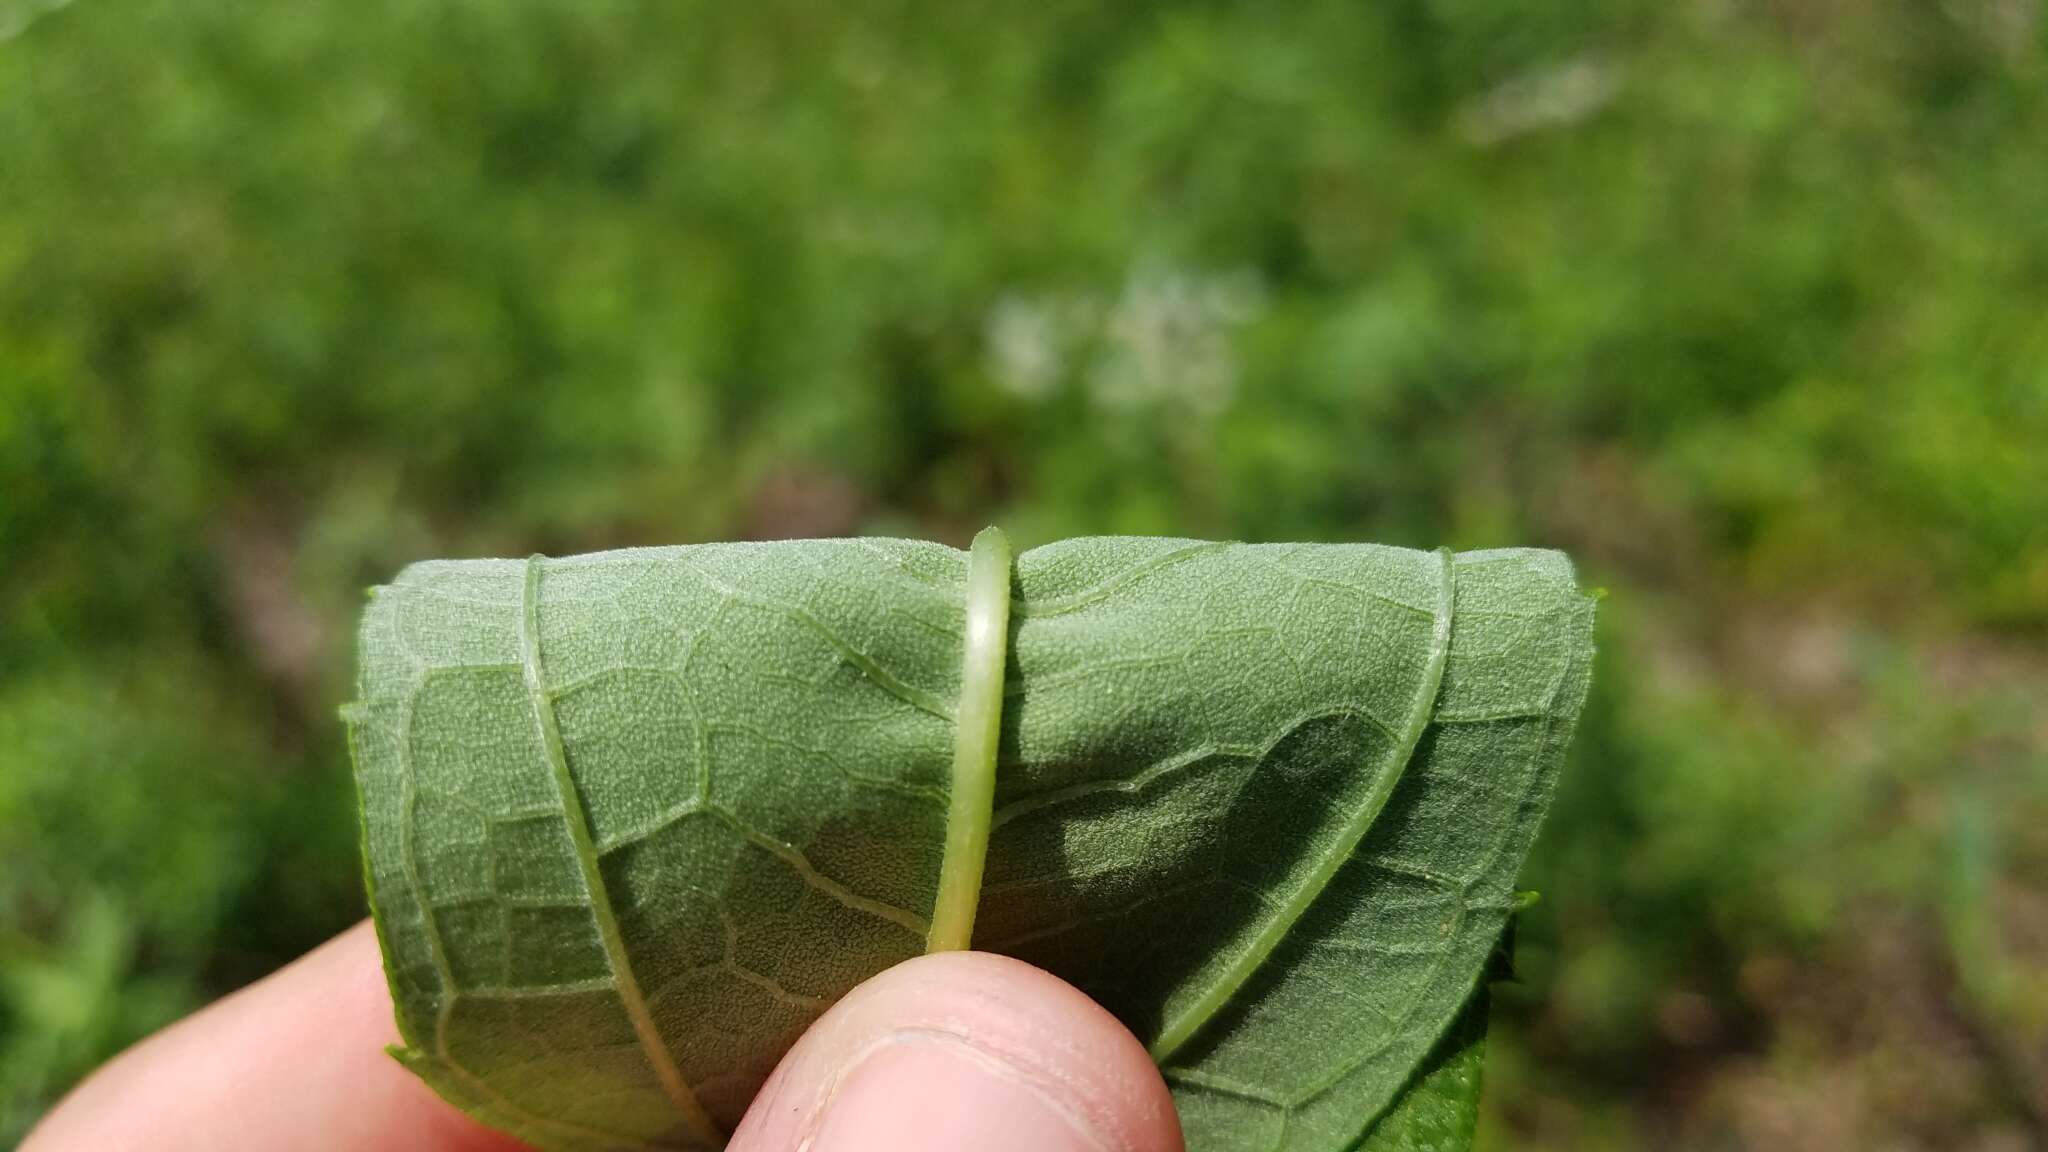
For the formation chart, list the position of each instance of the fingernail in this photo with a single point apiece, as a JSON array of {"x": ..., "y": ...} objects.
[{"x": 932, "y": 1092}]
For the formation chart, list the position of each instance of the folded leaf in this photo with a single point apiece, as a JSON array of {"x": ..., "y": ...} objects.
[{"x": 633, "y": 820}]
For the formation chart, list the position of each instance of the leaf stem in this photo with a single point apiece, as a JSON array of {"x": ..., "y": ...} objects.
[{"x": 977, "y": 728}]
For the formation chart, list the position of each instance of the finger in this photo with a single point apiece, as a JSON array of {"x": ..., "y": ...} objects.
[
  {"x": 295, "y": 1062},
  {"x": 964, "y": 1050}
]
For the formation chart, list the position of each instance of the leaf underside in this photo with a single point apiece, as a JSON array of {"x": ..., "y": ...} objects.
[{"x": 633, "y": 820}]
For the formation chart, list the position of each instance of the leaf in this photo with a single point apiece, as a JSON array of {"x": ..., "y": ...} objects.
[
  {"x": 633, "y": 820},
  {"x": 1439, "y": 1110}
]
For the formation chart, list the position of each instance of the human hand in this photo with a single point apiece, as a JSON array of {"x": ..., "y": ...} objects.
[{"x": 960, "y": 1050}]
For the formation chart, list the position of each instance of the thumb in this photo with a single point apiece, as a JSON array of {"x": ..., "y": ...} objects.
[{"x": 963, "y": 1050}]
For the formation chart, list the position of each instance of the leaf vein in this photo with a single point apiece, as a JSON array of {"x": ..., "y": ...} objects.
[
  {"x": 651, "y": 1040},
  {"x": 1102, "y": 591},
  {"x": 1177, "y": 1030},
  {"x": 789, "y": 855},
  {"x": 914, "y": 696}
]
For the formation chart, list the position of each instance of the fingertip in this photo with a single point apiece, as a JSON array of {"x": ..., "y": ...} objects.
[
  {"x": 295, "y": 1061},
  {"x": 964, "y": 1050}
]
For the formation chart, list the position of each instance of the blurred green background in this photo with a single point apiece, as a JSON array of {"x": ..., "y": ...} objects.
[{"x": 1744, "y": 303}]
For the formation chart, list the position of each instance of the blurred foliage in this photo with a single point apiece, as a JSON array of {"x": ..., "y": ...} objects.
[{"x": 1746, "y": 304}]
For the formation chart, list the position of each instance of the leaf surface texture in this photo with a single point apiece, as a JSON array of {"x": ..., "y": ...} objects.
[{"x": 633, "y": 820}]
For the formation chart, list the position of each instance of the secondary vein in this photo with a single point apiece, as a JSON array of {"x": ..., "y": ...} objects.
[
  {"x": 651, "y": 1042},
  {"x": 1182, "y": 1027},
  {"x": 977, "y": 730}
]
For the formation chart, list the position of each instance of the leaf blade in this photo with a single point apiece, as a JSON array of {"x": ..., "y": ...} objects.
[
  {"x": 1439, "y": 1110},
  {"x": 595, "y": 890},
  {"x": 1330, "y": 1028},
  {"x": 1178, "y": 1030},
  {"x": 1210, "y": 779},
  {"x": 661, "y": 684}
]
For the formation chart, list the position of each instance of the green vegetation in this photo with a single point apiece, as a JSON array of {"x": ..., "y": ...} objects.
[{"x": 1739, "y": 304}]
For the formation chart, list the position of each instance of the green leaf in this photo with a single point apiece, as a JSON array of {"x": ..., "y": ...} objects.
[
  {"x": 633, "y": 820},
  {"x": 1439, "y": 1110}
]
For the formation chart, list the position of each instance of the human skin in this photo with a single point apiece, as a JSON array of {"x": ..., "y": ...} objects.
[{"x": 947, "y": 1051}]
